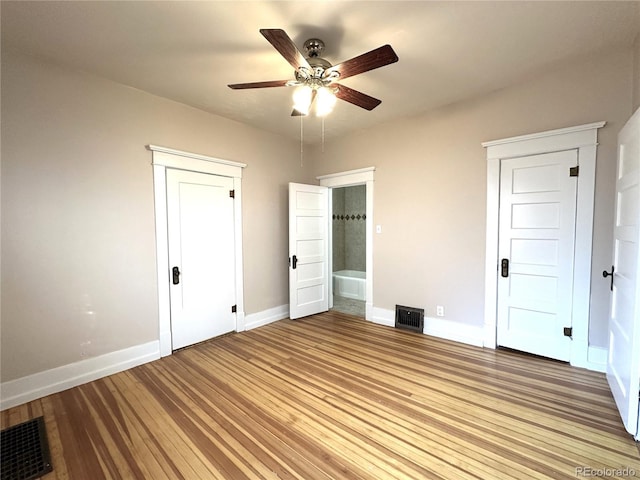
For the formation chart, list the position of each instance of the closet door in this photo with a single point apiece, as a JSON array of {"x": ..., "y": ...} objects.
[
  {"x": 536, "y": 249},
  {"x": 200, "y": 213}
]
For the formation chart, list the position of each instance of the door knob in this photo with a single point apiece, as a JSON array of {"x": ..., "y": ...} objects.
[
  {"x": 606, "y": 274},
  {"x": 175, "y": 272},
  {"x": 504, "y": 267}
]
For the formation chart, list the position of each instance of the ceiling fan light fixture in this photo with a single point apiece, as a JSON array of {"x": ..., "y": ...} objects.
[
  {"x": 325, "y": 101},
  {"x": 315, "y": 76}
]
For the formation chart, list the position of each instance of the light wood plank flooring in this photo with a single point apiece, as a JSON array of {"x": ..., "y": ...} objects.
[{"x": 333, "y": 396}]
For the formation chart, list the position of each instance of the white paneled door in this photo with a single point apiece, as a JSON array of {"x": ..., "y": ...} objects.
[
  {"x": 201, "y": 256},
  {"x": 536, "y": 252},
  {"x": 308, "y": 250},
  {"x": 623, "y": 364}
]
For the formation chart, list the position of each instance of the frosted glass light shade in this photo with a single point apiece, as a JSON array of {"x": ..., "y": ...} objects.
[
  {"x": 325, "y": 101},
  {"x": 302, "y": 99}
]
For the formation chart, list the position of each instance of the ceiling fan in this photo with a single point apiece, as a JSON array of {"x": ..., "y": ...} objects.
[{"x": 318, "y": 78}]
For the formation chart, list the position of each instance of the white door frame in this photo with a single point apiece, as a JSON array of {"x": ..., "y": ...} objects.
[
  {"x": 362, "y": 176},
  {"x": 163, "y": 158},
  {"x": 583, "y": 138}
]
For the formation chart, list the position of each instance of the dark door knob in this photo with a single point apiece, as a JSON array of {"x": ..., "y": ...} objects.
[
  {"x": 175, "y": 271},
  {"x": 606, "y": 274},
  {"x": 504, "y": 267}
]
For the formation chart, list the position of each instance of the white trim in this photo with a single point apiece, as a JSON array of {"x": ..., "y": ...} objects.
[
  {"x": 361, "y": 175},
  {"x": 382, "y": 316},
  {"x": 545, "y": 135},
  {"x": 260, "y": 319},
  {"x": 596, "y": 359},
  {"x": 41, "y": 384},
  {"x": 345, "y": 179},
  {"x": 583, "y": 138},
  {"x": 436, "y": 327},
  {"x": 171, "y": 154},
  {"x": 239, "y": 269},
  {"x": 162, "y": 257},
  {"x": 163, "y": 158},
  {"x": 455, "y": 331}
]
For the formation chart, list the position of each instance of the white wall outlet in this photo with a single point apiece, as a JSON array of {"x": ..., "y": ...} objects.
[
  {"x": 439, "y": 310},
  {"x": 378, "y": 228}
]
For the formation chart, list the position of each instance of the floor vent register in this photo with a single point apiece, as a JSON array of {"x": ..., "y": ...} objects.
[
  {"x": 410, "y": 318},
  {"x": 24, "y": 453}
]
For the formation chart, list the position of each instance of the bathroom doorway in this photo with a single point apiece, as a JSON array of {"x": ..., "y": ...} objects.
[
  {"x": 349, "y": 249},
  {"x": 363, "y": 177}
]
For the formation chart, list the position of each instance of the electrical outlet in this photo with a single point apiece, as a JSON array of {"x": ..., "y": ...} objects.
[
  {"x": 378, "y": 228},
  {"x": 440, "y": 311}
]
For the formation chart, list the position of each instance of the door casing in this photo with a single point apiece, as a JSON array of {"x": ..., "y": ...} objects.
[
  {"x": 584, "y": 138},
  {"x": 362, "y": 176},
  {"x": 163, "y": 158}
]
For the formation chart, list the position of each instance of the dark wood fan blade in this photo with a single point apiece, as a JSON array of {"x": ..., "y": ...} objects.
[
  {"x": 296, "y": 113},
  {"x": 283, "y": 44},
  {"x": 367, "y": 61},
  {"x": 355, "y": 97},
  {"x": 274, "y": 83}
]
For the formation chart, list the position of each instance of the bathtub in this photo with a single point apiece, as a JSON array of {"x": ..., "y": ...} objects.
[{"x": 349, "y": 284}]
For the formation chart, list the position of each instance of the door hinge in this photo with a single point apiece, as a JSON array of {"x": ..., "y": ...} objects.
[
  {"x": 232, "y": 193},
  {"x": 234, "y": 308},
  {"x": 574, "y": 171},
  {"x": 568, "y": 331}
]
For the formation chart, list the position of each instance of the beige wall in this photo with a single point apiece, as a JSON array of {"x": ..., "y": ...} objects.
[
  {"x": 78, "y": 254},
  {"x": 636, "y": 72},
  {"x": 78, "y": 265},
  {"x": 430, "y": 184}
]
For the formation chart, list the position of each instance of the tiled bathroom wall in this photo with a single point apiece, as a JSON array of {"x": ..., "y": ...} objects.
[{"x": 349, "y": 241}]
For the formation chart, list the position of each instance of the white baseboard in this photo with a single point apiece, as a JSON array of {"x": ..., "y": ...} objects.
[
  {"x": 382, "y": 316},
  {"x": 265, "y": 317},
  {"x": 597, "y": 359},
  {"x": 436, "y": 327},
  {"x": 38, "y": 385},
  {"x": 455, "y": 331}
]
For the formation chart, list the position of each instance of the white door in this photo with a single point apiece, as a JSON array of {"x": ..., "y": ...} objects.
[
  {"x": 201, "y": 256},
  {"x": 623, "y": 364},
  {"x": 536, "y": 252},
  {"x": 308, "y": 250}
]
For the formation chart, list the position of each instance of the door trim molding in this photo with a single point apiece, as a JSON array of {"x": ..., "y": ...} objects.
[
  {"x": 346, "y": 179},
  {"x": 583, "y": 138},
  {"x": 162, "y": 159}
]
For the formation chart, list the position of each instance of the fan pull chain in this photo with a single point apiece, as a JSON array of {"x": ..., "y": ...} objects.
[
  {"x": 322, "y": 134},
  {"x": 301, "y": 139}
]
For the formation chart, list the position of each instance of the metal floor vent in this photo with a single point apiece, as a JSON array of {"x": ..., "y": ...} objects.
[
  {"x": 409, "y": 318},
  {"x": 25, "y": 451}
]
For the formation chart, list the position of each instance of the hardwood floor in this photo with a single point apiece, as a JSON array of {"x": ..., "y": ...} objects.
[{"x": 333, "y": 396}]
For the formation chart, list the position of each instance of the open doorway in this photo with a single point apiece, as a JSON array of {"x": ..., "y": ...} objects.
[
  {"x": 348, "y": 252},
  {"x": 364, "y": 178}
]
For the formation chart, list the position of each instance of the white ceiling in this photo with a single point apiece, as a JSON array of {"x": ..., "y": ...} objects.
[{"x": 189, "y": 51}]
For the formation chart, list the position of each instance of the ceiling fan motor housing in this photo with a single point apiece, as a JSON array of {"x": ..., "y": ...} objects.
[
  {"x": 314, "y": 47},
  {"x": 315, "y": 78}
]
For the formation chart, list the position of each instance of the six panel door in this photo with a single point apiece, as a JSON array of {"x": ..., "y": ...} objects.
[
  {"x": 536, "y": 248},
  {"x": 201, "y": 256}
]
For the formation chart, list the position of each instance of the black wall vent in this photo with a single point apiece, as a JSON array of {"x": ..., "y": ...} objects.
[{"x": 409, "y": 318}]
